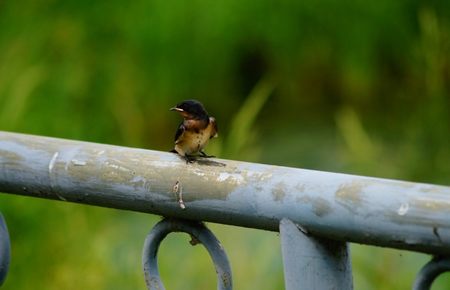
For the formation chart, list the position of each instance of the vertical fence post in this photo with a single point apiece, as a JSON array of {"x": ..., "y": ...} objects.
[{"x": 312, "y": 263}]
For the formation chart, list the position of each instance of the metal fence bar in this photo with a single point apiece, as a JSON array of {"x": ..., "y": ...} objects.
[
  {"x": 342, "y": 207},
  {"x": 312, "y": 263}
]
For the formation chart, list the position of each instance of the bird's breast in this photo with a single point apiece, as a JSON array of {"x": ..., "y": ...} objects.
[{"x": 195, "y": 139}]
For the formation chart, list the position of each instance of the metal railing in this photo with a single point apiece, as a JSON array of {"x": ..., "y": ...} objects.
[{"x": 316, "y": 213}]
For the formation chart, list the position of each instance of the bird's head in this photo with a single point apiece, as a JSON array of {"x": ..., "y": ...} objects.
[{"x": 191, "y": 109}]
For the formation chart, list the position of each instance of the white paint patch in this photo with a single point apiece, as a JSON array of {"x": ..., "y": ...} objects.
[
  {"x": 223, "y": 176},
  {"x": 118, "y": 167},
  {"x": 78, "y": 162},
  {"x": 162, "y": 164},
  {"x": 52, "y": 162},
  {"x": 403, "y": 209},
  {"x": 266, "y": 176},
  {"x": 101, "y": 152},
  {"x": 199, "y": 173}
]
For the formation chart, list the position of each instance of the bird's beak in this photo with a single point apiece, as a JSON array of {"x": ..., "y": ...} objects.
[{"x": 176, "y": 109}]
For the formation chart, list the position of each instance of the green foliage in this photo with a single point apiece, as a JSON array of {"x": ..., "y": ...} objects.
[
  {"x": 241, "y": 137},
  {"x": 358, "y": 87}
]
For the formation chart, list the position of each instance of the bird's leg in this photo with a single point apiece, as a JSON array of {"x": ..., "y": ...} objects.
[
  {"x": 203, "y": 154},
  {"x": 189, "y": 158}
]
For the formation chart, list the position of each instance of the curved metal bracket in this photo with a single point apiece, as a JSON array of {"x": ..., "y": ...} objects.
[
  {"x": 430, "y": 272},
  {"x": 5, "y": 250},
  {"x": 200, "y": 233}
]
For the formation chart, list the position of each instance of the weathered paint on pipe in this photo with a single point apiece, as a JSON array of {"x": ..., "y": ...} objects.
[{"x": 343, "y": 207}]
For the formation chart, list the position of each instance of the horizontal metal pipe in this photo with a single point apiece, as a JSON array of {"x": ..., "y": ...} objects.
[{"x": 343, "y": 207}]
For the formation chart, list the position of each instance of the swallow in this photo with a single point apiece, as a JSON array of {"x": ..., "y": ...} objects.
[{"x": 194, "y": 131}]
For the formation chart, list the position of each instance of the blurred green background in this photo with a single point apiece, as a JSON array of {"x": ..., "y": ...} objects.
[{"x": 346, "y": 86}]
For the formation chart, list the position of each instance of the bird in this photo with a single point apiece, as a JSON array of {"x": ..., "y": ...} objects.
[{"x": 194, "y": 131}]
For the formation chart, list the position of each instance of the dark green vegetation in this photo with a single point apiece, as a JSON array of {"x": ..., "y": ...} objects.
[{"x": 358, "y": 87}]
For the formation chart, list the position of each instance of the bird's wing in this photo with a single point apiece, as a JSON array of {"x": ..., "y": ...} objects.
[
  {"x": 213, "y": 122},
  {"x": 180, "y": 131}
]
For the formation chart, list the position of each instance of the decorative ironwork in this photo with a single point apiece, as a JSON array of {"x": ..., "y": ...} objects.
[
  {"x": 430, "y": 272},
  {"x": 200, "y": 234},
  {"x": 5, "y": 250}
]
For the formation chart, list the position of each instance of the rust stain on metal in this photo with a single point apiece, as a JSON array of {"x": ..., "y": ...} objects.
[
  {"x": 109, "y": 166},
  {"x": 321, "y": 206},
  {"x": 117, "y": 171},
  {"x": 350, "y": 192},
  {"x": 415, "y": 219},
  {"x": 350, "y": 195},
  {"x": 79, "y": 173},
  {"x": 11, "y": 157},
  {"x": 279, "y": 192},
  {"x": 303, "y": 199},
  {"x": 300, "y": 187},
  {"x": 200, "y": 180},
  {"x": 203, "y": 181},
  {"x": 431, "y": 204}
]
